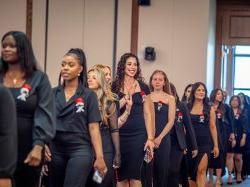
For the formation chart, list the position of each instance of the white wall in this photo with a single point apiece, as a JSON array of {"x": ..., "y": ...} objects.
[
  {"x": 182, "y": 32},
  {"x": 12, "y": 15},
  {"x": 179, "y": 31}
]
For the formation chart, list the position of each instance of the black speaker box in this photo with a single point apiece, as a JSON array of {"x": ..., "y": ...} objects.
[{"x": 144, "y": 2}]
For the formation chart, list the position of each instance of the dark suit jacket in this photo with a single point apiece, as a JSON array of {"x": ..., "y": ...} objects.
[{"x": 8, "y": 134}]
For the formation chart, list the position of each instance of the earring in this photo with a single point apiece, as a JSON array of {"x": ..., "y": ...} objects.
[{"x": 78, "y": 74}]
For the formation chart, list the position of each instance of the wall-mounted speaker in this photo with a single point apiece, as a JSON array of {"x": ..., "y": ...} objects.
[
  {"x": 144, "y": 2},
  {"x": 149, "y": 54}
]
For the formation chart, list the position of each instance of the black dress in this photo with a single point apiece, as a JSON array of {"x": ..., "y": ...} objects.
[
  {"x": 110, "y": 145},
  {"x": 203, "y": 139},
  {"x": 224, "y": 126},
  {"x": 162, "y": 154},
  {"x": 35, "y": 123},
  {"x": 133, "y": 136},
  {"x": 240, "y": 127},
  {"x": 8, "y": 134}
]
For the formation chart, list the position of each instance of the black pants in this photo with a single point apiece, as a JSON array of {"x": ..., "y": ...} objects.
[
  {"x": 176, "y": 156},
  {"x": 71, "y": 161},
  {"x": 108, "y": 181},
  {"x": 26, "y": 176}
]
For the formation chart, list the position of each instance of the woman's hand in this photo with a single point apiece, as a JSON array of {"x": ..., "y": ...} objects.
[
  {"x": 215, "y": 151},
  {"x": 194, "y": 153},
  {"x": 117, "y": 161},
  {"x": 35, "y": 156},
  {"x": 100, "y": 165},
  {"x": 150, "y": 145},
  {"x": 242, "y": 142},
  {"x": 157, "y": 142}
]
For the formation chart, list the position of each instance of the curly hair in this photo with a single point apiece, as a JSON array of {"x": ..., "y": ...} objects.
[{"x": 120, "y": 73}]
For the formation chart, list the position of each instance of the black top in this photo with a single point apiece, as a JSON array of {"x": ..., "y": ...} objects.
[
  {"x": 34, "y": 101},
  {"x": 75, "y": 115},
  {"x": 8, "y": 134}
]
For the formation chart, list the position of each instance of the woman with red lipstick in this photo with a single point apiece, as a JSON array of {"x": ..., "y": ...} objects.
[
  {"x": 240, "y": 130},
  {"x": 136, "y": 124},
  {"x": 203, "y": 120},
  {"x": 32, "y": 92},
  {"x": 164, "y": 105}
]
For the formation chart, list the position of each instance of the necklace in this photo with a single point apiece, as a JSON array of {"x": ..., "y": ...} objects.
[
  {"x": 15, "y": 79},
  {"x": 131, "y": 88}
]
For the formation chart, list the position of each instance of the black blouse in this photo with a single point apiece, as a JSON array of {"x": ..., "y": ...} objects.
[
  {"x": 37, "y": 86},
  {"x": 8, "y": 134},
  {"x": 75, "y": 115}
]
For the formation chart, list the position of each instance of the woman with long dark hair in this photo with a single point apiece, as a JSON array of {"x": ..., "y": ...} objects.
[
  {"x": 224, "y": 124},
  {"x": 234, "y": 155},
  {"x": 77, "y": 120},
  {"x": 186, "y": 94},
  {"x": 32, "y": 92},
  {"x": 203, "y": 120},
  {"x": 182, "y": 140},
  {"x": 137, "y": 127}
]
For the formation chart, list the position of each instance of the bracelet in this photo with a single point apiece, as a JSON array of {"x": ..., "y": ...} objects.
[
  {"x": 126, "y": 112},
  {"x": 151, "y": 139}
]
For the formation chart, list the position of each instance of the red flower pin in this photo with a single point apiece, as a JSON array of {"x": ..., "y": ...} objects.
[
  {"x": 159, "y": 105},
  {"x": 79, "y": 104},
  {"x": 24, "y": 92},
  {"x": 143, "y": 95}
]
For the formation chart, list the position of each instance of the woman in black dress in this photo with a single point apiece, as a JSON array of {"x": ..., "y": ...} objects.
[
  {"x": 137, "y": 130},
  {"x": 164, "y": 105},
  {"x": 8, "y": 137},
  {"x": 34, "y": 105},
  {"x": 108, "y": 126},
  {"x": 225, "y": 133},
  {"x": 203, "y": 120},
  {"x": 240, "y": 129},
  {"x": 246, "y": 153},
  {"x": 77, "y": 120},
  {"x": 182, "y": 140}
]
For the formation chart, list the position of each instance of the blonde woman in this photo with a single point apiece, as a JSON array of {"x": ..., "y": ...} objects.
[{"x": 109, "y": 124}]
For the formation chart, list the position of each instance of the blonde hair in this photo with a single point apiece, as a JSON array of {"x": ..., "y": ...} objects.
[{"x": 104, "y": 94}]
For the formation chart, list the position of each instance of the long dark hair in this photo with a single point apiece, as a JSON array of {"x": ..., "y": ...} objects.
[
  {"x": 184, "y": 97},
  {"x": 120, "y": 73},
  {"x": 80, "y": 55},
  {"x": 174, "y": 93},
  {"x": 206, "y": 106},
  {"x": 221, "y": 106},
  {"x": 25, "y": 53}
]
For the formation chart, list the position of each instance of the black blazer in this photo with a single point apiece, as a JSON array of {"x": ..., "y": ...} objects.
[
  {"x": 8, "y": 134},
  {"x": 183, "y": 128}
]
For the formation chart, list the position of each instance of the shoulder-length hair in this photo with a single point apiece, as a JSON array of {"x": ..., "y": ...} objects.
[
  {"x": 26, "y": 57},
  {"x": 213, "y": 94}
]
